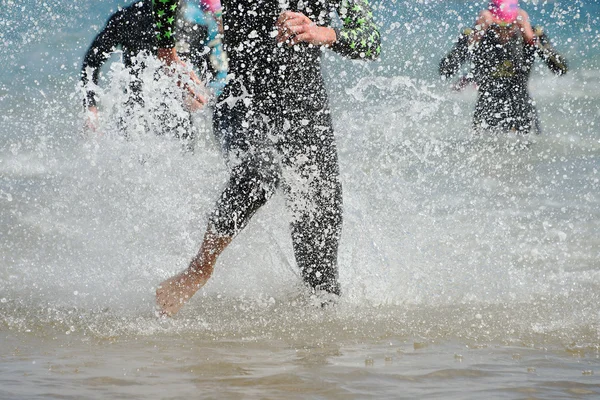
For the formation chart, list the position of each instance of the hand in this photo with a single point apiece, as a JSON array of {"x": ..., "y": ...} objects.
[
  {"x": 294, "y": 28},
  {"x": 194, "y": 100},
  {"x": 91, "y": 119}
]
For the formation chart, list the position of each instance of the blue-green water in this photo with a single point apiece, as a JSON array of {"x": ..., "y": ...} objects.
[{"x": 470, "y": 265}]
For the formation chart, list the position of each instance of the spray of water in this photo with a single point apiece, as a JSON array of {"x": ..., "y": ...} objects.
[{"x": 445, "y": 234}]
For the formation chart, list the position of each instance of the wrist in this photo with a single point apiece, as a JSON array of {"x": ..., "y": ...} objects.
[
  {"x": 331, "y": 36},
  {"x": 337, "y": 33}
]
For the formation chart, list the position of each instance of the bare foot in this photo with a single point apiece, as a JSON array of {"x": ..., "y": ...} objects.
[{"x": 173, "y": 293}]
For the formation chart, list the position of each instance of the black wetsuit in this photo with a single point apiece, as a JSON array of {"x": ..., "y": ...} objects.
[
  {"x": 274, "y": 123},
  {"x": 132, "y": 29},
  {"x": 501, "y": 69}
]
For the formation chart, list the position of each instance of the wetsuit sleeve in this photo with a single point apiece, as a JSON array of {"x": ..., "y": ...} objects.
[
  {"x": 359, "y": 36},
  {"x": 556, "y": 62},
  {"x": 99, "y": 51},
  {"x": 164, "y": 14},
  {"x": 450, "y": 64}
]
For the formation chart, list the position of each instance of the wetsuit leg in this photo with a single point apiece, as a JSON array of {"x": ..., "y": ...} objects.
[
  {"x": 536, "y": 119},
  {"x": 176, "y": 125},
  {"x": 314, "y": 196},
  {"x": 485, "y": 110},
  {"x": 504, "y": 110},
  {"x": 295, "y": 149},
  {"x": 131, "y": 108},
  {"x": 522, "y": 111},
  {"x": 255, "y": 174}
]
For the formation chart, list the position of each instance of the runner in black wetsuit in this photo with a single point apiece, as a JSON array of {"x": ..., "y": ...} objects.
[
  {"x": 275, "y": 126},
  {"x": 500, "y": 66},
  {"x": 132, "y": 29}
]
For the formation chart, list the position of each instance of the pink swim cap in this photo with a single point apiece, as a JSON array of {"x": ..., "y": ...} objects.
[
  {"x": 211, "y": 5},
  {"x": 505, "y": 10}
]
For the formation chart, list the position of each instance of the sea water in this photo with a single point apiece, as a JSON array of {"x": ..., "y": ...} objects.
[{"x": 469, "y": 264}]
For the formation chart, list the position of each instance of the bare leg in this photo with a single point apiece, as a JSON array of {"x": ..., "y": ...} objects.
[{"x": 173, "y": 293}]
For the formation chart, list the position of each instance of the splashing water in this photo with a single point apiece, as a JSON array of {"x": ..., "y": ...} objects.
[{"x": 448, "y": 237}]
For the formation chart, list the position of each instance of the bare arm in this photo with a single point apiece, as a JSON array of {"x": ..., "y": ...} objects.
[
  {"x": 525, "y": 26},
  {"x": 164, "y": 14},
  {"x": 482, "y": 23}
]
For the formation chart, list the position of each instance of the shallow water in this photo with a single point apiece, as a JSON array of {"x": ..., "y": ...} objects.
[
  {"x": 307, "y": 363},
  {"x": 469, "y": 264}
]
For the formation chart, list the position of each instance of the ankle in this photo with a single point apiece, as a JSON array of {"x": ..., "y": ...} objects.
[{"x": 199, "y": 270}]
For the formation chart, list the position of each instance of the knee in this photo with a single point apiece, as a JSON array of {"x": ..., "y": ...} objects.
[{"x": 249, "y": 189}]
